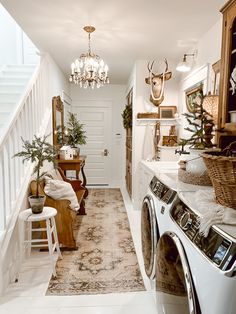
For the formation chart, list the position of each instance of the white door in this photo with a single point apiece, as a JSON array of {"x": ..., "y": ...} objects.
[{"x": 97, "y": 124}]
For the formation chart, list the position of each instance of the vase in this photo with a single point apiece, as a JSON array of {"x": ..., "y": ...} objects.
[
  {"x": 37, "y": 203},
  {"x": 195, "y": 163}
]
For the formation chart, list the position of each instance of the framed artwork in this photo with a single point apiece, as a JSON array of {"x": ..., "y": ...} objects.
[
  {"x": 192, "y": 96},
  {"x": 167, "y": 112},
  {"x": 169, "y": 140}
]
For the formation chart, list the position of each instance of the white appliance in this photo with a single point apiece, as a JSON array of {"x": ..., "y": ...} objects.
[
  {"x": 160, "y": 196},
  {"x": 194, "y": 274},
  {"x": 152, "y": 222}
]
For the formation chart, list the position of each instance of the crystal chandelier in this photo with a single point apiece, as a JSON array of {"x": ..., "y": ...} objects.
[{"x": 89, "y": 70}]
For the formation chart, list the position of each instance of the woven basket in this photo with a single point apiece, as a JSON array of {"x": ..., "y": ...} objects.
[
  {"x": 222, "y": 172},
  {"x": 195, "y": 179}
]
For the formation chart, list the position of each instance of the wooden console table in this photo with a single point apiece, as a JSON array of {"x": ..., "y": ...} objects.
[{"x": 76, "y": 164}]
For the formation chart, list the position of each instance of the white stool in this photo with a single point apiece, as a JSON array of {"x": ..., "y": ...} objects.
[{"x": 48, "y": 215}]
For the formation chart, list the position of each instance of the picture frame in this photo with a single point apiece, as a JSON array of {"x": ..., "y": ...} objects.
[
  {"x": 191, "y": 96},
  {"x": 169, "y": 140},
  {"x": 167, "y": 112}
]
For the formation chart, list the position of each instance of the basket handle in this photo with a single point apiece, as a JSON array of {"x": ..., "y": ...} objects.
[{"x": 228, "y": 150}]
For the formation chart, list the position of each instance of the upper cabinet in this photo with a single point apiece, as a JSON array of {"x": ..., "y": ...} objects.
[{"x": 227, "y": 102}]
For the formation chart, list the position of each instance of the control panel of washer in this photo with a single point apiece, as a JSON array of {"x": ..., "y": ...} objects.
[
  {"x": 218, "y": 247},
  {"x": 161, "y": 191}
]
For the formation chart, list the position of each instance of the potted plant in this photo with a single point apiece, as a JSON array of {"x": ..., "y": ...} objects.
[
  {"x": 37, "y": 151},
  {"x": 201, "y": 126},
  {"x": 74, "y": 133}
]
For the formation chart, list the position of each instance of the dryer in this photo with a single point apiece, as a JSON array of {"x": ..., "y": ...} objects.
[
  {"x": 160, "y": 196},
  {"x": 194, "y": 274}
]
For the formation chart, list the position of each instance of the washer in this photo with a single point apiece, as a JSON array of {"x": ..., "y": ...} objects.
[
  {"x": 161, "y": 194},
  {"x": 194, "y": 274},
  {"x": 151, "y": 224}
]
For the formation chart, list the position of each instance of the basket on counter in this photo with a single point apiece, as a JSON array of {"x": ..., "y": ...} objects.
[{"x": 221, "y": 167}]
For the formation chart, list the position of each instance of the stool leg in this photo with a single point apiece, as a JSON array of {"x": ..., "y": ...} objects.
[
  {"x": 56, "y": 237},
  {"x": 29, "y": 238},
  {"x": 21, "y": 234},
  {"x": 50, "y": 246}
]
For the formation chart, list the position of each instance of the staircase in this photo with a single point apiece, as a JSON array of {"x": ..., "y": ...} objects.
[
  {"x": 25, "y": 111},
  {"x": 13, "y": 82}
]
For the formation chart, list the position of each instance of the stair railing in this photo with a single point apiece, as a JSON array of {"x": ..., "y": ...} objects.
[{"x": 30, "y": 118}]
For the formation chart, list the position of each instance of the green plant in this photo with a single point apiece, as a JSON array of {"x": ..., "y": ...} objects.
[
  {"x": 74, "y": 133},
  {"x": 127, "y": 117},
  {"x": 37, "y": 151},
  {"x": 202, "y": 126}
]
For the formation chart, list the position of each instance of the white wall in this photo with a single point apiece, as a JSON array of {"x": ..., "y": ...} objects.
[
  {"x": 8, "y": 35},
  {"x": 141, "y": 103},
  {"x": 16, "y": 47},
  {"x": 208, "y": 52},
  {"x": 116, "y": 95}
]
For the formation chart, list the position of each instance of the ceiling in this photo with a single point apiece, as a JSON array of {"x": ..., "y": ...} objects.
[{"x": 125, "y": 30}]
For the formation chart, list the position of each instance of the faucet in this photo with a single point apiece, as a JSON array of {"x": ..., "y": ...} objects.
[
  {"x": 179, "y": 151},
  {"x": 182, "y": 151}
]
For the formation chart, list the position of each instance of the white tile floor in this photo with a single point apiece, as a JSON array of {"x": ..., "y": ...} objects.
[{"x": 28, "y": 295}]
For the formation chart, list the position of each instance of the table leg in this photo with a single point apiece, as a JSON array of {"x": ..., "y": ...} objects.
[{"x": 84, "y": 183}]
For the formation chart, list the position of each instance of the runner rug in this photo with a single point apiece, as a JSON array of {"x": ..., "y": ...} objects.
[{"x": 105, "y": 261}]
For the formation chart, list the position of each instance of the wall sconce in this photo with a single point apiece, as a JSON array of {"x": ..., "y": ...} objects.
[{"x": 184, "y": 66}]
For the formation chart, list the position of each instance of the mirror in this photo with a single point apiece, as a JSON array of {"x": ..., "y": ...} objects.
[{"x": 57, "y": 121}]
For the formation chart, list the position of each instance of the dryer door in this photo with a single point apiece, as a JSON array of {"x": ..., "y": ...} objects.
[
  {"x": 175, "y": 293},
  {"x": 149, "y": 235}
]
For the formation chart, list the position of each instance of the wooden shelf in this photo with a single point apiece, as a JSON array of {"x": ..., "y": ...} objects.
[{"x": 162, "y": 121}]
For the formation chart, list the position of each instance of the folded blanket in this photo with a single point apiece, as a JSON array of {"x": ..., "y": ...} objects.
[
  {"x": 212, "y": 213},
  {"x": 59, "y": 190}
]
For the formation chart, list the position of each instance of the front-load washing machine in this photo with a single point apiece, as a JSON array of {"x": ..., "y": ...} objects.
[
  {"x": 151, "y": 222},
  {"x": 161, "y": 194},
  {"x": 195, "y": 274}
]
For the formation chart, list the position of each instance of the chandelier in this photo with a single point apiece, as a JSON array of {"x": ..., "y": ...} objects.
[{"x": 89, "y": 70}]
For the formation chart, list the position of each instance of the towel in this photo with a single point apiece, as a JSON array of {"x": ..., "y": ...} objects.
[
  {"x": 148, "y": 144},
  {"x": 212, "y": 213}
]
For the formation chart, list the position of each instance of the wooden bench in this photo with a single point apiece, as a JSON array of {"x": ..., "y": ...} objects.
[{"x": 66, "y": 217}]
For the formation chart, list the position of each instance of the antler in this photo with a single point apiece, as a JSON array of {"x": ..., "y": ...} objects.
[
  {"x": 166, "y": 65},
  {"x": 150, "y": 68}
]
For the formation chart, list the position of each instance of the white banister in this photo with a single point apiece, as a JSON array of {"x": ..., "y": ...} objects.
[{"x": 30, "y": 118}]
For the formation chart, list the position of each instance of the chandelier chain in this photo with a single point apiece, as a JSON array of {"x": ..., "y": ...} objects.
[{"x": 89, "y": 44}]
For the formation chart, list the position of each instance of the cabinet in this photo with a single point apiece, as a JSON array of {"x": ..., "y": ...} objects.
[
  {"x": 227, "y": 99},
  {"x": 128, "y": 144}
]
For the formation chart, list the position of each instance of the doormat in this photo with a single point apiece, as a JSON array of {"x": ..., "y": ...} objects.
[{"x": 105, "y": 261}]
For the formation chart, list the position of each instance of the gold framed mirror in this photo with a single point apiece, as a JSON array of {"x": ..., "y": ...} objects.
[{"x": 57, "y": 121}]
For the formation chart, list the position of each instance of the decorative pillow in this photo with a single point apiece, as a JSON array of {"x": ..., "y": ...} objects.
[{"x": 59, "y": 190}]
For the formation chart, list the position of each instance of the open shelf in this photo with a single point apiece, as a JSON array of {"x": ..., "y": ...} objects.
[{"x": 170, "y": 121}]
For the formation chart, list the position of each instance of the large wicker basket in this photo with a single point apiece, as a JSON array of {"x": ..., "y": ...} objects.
[{"x": 222, "y": 172}]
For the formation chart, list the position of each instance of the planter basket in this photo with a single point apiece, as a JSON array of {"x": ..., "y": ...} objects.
[{"x": 222, "y": 172}]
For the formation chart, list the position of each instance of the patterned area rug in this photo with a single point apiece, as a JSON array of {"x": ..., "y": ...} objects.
[{"x": 105, "y": 261}]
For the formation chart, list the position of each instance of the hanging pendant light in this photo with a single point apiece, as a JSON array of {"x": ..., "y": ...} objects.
[{"x": 89, "y": 70}]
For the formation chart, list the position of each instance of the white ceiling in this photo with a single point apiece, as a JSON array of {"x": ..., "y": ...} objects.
[{"x": 125, "y": 30}]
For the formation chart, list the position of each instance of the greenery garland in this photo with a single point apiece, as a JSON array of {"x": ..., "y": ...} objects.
[{"x": 127, "y": 117}]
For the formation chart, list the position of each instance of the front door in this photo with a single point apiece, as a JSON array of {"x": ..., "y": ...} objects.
[{"x": 97, "y": 123}]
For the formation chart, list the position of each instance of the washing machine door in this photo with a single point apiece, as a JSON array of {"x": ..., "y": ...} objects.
[
  {"x": 175, "y": 293},
  {"x": 149, "y": 235}
]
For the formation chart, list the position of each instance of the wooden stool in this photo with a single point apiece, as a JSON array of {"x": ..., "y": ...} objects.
[{"x": 48, "y": 215}]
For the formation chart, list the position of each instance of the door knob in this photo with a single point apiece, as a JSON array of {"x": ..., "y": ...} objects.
[{"x": 105, "y": 152}]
